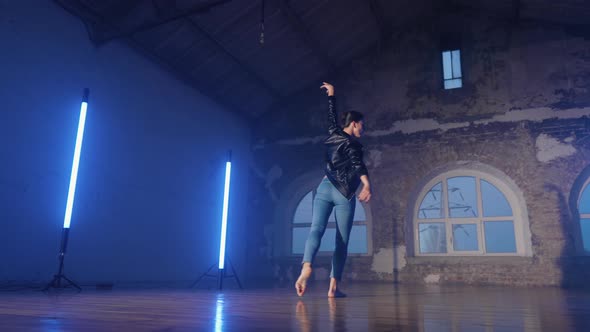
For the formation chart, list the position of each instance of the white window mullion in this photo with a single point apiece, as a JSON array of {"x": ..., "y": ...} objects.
[
  {"x": 480, "y": 238},
  {"x": 444, "y": 199},
  {"x": 459, "y": 221},
  {"x": 444, "y": 205},
  {"x": 432, "y": 220},
  {"x": 416, "y": 235},
  {"x": 450, "y": 240},
  {"x": 505, "y": 218},
  {"x": 479, "y": 197},
  {"x": 480, "y": 211}
]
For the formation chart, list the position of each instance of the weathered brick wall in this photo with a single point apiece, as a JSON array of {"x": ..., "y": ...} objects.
[{"x": 523, "y": 111}]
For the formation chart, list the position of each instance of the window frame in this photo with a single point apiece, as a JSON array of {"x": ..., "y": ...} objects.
[
  {"x": 517, "y": 216},
  {"x": 453, "y": 77},
  {"x": 581, "y": 216}
]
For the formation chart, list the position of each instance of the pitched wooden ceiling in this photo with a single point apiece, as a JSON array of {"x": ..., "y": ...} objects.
[{"x": 215, "y": 46}]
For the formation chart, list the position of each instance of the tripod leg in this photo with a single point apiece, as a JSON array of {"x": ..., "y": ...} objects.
[
  {"x": 52, "y": 283},
  {"x": 56, "y": 283},
  {"x": 71, "y": 282},
  {"x": 202, "y": 275},
  {"x": 235, "y": 274}
]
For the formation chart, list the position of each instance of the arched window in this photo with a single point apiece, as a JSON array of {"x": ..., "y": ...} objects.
[
  {"x": 584, "y": 210},
  {"x": 467, "y": 212},
  {"x": 301, "y": 224}
]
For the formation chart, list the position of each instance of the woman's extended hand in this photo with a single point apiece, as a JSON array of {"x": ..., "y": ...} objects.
[
  {"x": 365, "y": 195},
  {"x": 329, "y": 88}
]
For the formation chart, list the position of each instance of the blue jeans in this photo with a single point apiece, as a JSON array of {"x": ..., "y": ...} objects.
[{"x": 326, "y": 199}]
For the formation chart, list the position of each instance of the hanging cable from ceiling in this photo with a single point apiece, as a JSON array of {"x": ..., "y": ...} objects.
[{"x": 262, "y": 23}]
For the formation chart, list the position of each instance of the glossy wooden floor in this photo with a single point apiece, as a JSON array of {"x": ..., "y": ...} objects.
[{"x": 369, "y": 307}]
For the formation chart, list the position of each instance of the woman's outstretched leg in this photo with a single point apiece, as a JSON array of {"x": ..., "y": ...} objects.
[
  {"x": 322, "y": 207},
  {"x": 344, "y": 211}
]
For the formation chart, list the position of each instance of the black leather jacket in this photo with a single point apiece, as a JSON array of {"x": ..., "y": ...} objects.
[{"x": 344, "y": 156}]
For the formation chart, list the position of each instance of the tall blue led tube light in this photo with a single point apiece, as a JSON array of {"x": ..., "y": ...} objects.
[
  {"x": 221, "y": 265},
  {"x": 57, "y": 279},
  {"x": 222, "y": 242},
  {"x": 76, "y": 162}
]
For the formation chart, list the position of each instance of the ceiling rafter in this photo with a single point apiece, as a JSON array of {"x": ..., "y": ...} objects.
[
  {"x": 91, "y": 18},
  {"x": 121, "y": 9},
  {"x": 297, "y": 24},
  {"x": 217, "y": 35},
  {"x": 177, "y": 15},
  {"x": 274, "y": 93},
  {"x": 100, "y": 24}
]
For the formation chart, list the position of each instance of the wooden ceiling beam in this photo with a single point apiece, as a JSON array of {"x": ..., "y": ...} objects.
[
  {"x": 91, "y": 18},
  {"x": 297, "y": 24},
  {"x": 174, "y": 16},
  {"x": 259, "y": 80},
  {"x": 99, "y": 27}
]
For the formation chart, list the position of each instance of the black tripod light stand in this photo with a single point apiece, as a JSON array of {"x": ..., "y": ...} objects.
[
  {"x": 56, "y": 282},
  {"x": 222, "y": 256}
]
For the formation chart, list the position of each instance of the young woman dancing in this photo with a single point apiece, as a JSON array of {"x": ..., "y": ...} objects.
[{"x": 345, "y": 171}]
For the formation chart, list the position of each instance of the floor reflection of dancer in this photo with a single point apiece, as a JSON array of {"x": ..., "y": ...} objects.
[
  {"x": 301, "y": 314},
  {"x": 337, "y": 314},
  {"x": 345, "y": 170}
]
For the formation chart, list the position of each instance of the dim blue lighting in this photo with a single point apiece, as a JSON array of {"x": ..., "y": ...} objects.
[
  {"x": 224, "y": 217},
  {"x": 74, "y": 175}
]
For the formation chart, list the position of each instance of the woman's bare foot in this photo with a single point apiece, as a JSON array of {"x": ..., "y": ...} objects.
[
  {"x": 301, "y": 283},
  {"x": 334, "y": 291}
]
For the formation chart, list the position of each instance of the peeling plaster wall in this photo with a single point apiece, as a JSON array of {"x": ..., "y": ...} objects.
[
  {"x": 524, "y": 110},
  {"x": 549, "y": 148}
]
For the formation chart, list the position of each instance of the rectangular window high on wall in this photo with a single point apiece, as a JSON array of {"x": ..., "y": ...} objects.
[{"x": 452, "y": 75}]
